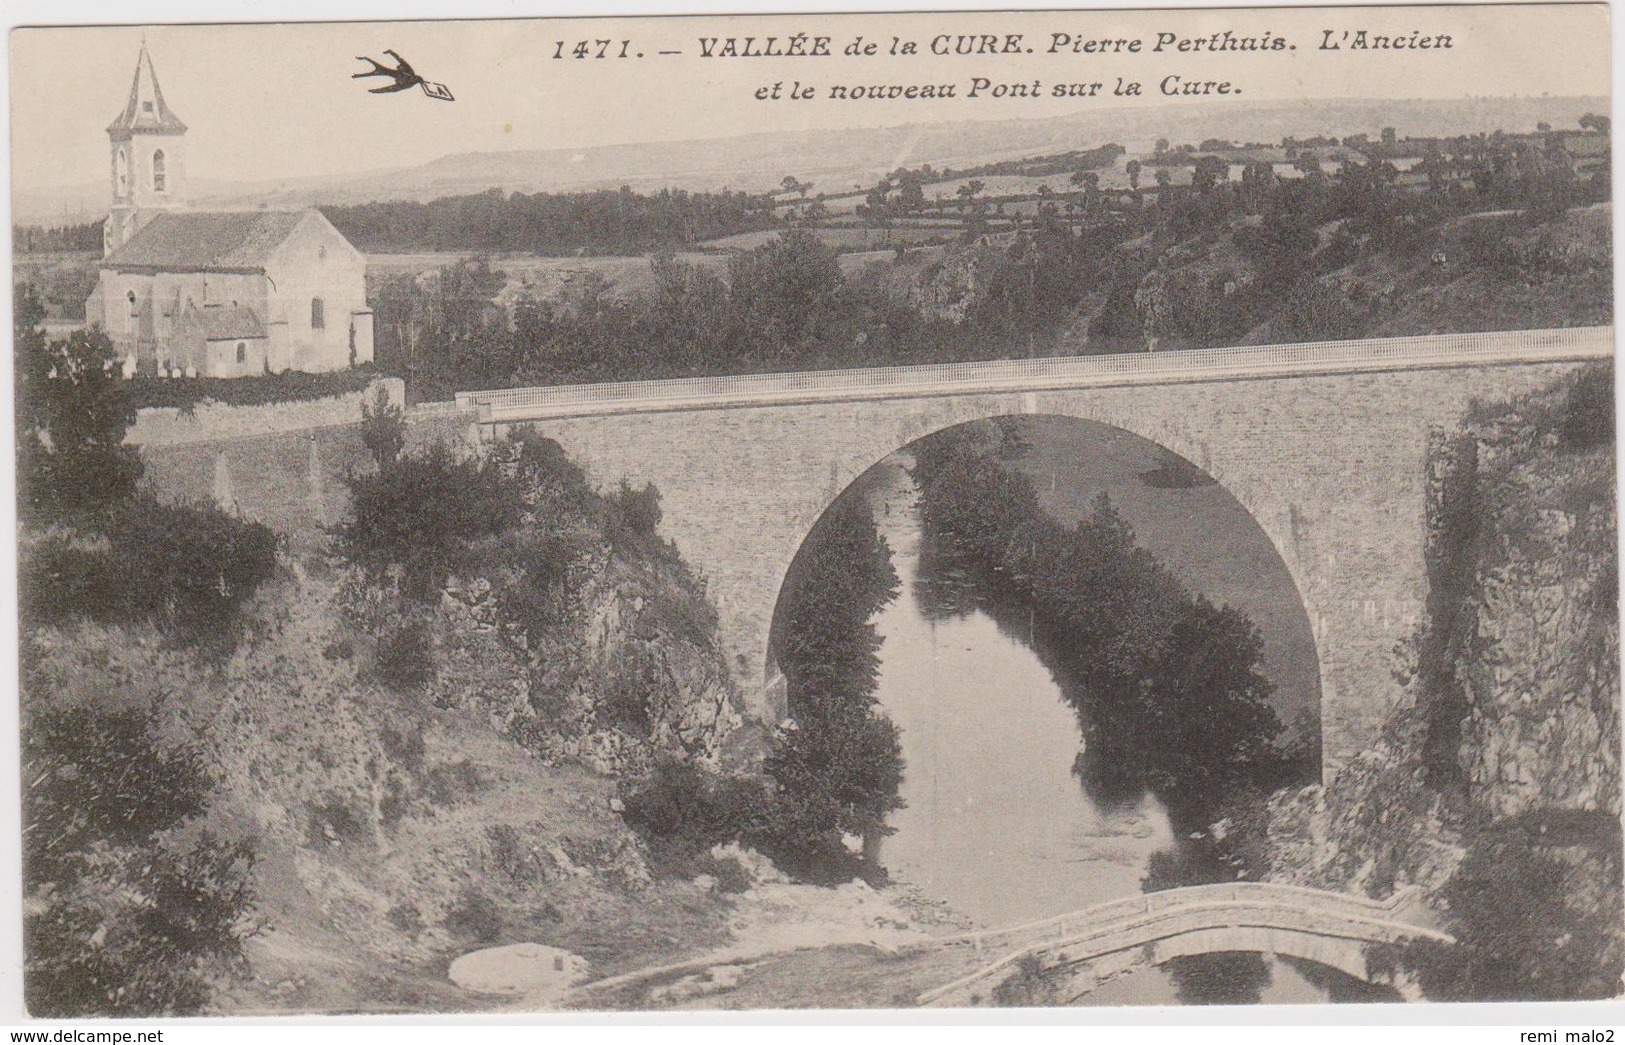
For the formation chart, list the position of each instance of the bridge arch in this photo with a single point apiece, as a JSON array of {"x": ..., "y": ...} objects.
[
  {"x": 1330, "y": 447},
  {"x": 1254, "y": 543}
]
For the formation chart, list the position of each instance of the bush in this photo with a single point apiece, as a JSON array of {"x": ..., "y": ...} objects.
[
  {"x": 406, "y": 657},
  {"x": 59, "y": 580},
  {"x": 1588, "y": 418},
  {"x": 637, "y": 511},
  {"x": 421, "y": 515},
  {"x": 474, "y": 917},
  {"x": 188, "y": 567},
  {"x": 406, "y": 917},
  {"x": 383, "y": 428},
  {"x": 127, "y": 915},
  {"x": 69, "y": 391},
  {"x": 681, "y": 810},
  {"x": 632, "y": 686},
  {"x": 838, "y": 774},
  {"x": 1535, "y": 915},
  {"x": 291, "y": 386}
]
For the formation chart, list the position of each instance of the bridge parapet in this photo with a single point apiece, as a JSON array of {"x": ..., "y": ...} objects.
[
  {"x": 1191, "y": 365},
  {"x": 1149, "y": 904},
  {"x": 1236, "y": 912}
]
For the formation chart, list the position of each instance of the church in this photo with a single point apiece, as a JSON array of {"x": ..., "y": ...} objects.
[{"x": 216, "y": 293}]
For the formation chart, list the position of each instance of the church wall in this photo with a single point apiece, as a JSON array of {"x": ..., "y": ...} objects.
[
  {"x": 161, "y": 298},
  {"x": 220, "y": 357},
  {"x": 118, "y": 319},
  {"x": 317, "y": 262},
  {"x": 363, "y": 337}
]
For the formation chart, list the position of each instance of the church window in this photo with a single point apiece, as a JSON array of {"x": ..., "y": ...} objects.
[
  {"x": 242, "y": 352},
  {"x": 121, "y": 165},
  {"x": 158, "y": 172},
  {"x": 146, "y": 107},
  {"x": 318, "y": 321}
]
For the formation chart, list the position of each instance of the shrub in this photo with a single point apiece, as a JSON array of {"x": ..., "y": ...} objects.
[
  {"x": 452, "y": 782},
  {"x": 637, "y": 511},
  {"x": 332, "y": 820},
  {"x": 731, "y": 875},
  {"x": 70, "y": 392},
  {"x": 383, "y": 428},
  {"x": 406, "y": 917},
  {"x": 1530, "y": 918},
  {"x": 510, "y": 857},
  {"x": 128, "y": 915},
  {"x": 189, "y": 567},
  {"x": 291, "y": 386},
  {"x": 421, "y": 515},
  {"x": 474, "y": 917},
  {"x": 406, "y": 657},
  {"x": 682, "y": 809},
  {"x": 405, "y": 747},
  {"x": 59, "y": 580},
  {"x": 1588, "y": 418}
]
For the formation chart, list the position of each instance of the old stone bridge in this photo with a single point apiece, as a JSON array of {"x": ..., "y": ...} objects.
[
  {"x": 1325, "y": 444},
  {"x": 1078, "y": 951}
]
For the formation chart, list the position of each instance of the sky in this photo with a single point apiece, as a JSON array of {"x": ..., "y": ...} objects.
[{"x": 274, "y": 101}]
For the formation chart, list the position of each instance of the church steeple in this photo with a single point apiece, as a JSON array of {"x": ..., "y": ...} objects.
[
  {"x": 145, "y": 112},
  {"x": 148, "y": 155}
]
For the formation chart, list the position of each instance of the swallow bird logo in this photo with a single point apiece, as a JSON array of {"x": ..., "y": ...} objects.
[{"x": 404, "y": 77}]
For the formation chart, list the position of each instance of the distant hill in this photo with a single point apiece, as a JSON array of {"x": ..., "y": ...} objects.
[{"x": 839, "y": 160}]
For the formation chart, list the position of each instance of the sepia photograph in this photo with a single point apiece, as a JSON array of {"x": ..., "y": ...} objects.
[{"x": 885, "y": 511}]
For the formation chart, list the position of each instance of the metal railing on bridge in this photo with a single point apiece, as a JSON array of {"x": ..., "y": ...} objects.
[{"x": 1396, "y": 353}]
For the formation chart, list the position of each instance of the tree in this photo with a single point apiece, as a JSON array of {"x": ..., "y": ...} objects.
[
  {"x": 837, "y": 772},
  {"x": 383, "y": 428},
  {"x": 1533, "y": 919},
  {"x": 73, "y": 412},
  {"x": 911, "y": 194},
  {"x": 420, "y": 515},
  {"x": 1595, "y": 122},
  {"x": 1132, "y": 169},
  {"x": 1209, "y": 172},
  {"x": 782, "y": 290},
  {"x": 126, "y": 915}
]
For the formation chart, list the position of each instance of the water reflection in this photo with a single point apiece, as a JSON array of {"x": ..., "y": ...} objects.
[
  {"x": 1011, "y": 815},
  {"x": 996, "y": 822}
]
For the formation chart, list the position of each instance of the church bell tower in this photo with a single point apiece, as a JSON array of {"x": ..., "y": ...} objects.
[{"x": 148, "y": 158}]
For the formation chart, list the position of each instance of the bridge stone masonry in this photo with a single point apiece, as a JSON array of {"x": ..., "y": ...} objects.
[
  {"x": 1083, "y": 949},
  {"x": 1324, "y": 444}
]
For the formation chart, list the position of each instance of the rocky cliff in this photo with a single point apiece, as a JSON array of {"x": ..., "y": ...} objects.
[{"x": 1506, "y": 717}]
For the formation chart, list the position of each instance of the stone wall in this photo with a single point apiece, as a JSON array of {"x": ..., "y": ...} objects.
[
  {"x": 1331, "y": 466},
  {"x": 282, "y": 464},
  {"x": 211, "y": 421}
]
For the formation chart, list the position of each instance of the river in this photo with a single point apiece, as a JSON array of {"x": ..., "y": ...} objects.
[{"x": 996, "y": 823}]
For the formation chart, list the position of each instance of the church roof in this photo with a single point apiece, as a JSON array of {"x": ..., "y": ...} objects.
[
  {"x": 238, "y": 322},
  {"x": 220, "y": 241},
  {"x": 145, "y": 112}
]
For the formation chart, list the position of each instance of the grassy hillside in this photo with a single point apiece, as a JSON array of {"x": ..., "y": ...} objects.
[{"x": 410, "y": 773}]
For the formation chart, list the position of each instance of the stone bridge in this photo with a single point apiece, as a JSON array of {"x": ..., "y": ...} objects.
[
  {"x": 1076, "y": 952},
  {"x": 1324, "y": 444}
]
